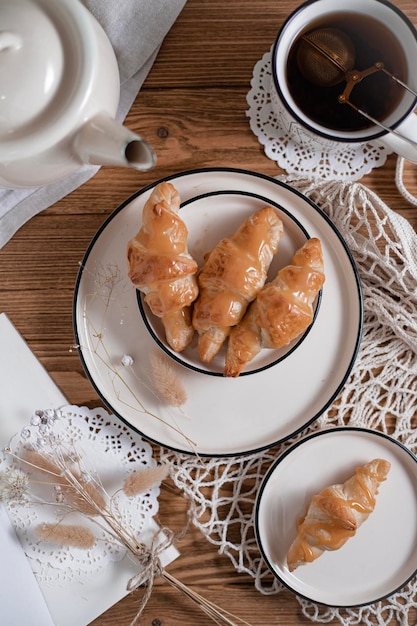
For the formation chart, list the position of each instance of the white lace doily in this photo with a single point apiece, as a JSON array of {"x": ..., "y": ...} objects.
[
  {"x": 106, "y": 448},
  {"x": 380, "y": 393},
  {"x": 293, "y": 148}
]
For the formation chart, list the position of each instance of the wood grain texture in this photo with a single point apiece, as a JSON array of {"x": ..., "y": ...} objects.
[{"x": 192, "y": 109}]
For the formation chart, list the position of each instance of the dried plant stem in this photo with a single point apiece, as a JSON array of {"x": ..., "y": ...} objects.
[
  {"x": 106, "y": 361},
  {"x": 217, "y": 614},
  {"x": 99, "y": 507},
  {"x": 105, "y": 287},
  {"x": 86, "y": 497}
]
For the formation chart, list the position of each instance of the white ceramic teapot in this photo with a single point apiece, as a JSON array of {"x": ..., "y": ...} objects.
[{"x": 59, "y": 92}]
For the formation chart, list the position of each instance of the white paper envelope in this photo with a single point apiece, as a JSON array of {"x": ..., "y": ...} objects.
[{"x": 26, "y": 387}]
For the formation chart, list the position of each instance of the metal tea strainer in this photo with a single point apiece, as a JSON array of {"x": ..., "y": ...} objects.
[{"x": 326, "y": 57}]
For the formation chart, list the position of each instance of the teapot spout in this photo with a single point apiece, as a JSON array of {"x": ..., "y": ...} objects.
[{"x": 103, "y": 141}]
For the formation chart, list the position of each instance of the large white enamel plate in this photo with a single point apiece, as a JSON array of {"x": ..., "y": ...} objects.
[
  {"x": 221, "y": 416},
  {"x": 382, "y": 555}
]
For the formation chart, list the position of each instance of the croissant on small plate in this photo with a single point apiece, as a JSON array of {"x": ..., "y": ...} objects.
[
  {"x": 336, "y": 513},
  {"x": 161, "y": 267},
  {"x": 283, "y": 309},
  {"x": 232, "y": 275}
]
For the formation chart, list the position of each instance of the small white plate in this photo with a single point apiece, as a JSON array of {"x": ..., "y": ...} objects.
[
  {"x": 221, "y": 416},
  {"x": 381, "y": 557}
]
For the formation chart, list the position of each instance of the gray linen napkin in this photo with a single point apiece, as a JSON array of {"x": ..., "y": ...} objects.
[{"x": 136, "y": 29}]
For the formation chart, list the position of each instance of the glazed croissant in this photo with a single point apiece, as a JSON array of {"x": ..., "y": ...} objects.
[
  {"x": 336, "y": 513},
  {"x": 161, "y": 267},
  {"x": 282, "y": 309},
  {"x": 232, "y": 274}
]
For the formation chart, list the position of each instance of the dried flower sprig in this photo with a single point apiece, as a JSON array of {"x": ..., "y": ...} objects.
[
  {"x": 79, "y": 489},
  {"x": 13, "y": 485},
  {"x": 107, "y": 280}
]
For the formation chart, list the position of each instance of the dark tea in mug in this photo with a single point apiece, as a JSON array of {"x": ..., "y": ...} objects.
[{"x": 377, "y": 94}]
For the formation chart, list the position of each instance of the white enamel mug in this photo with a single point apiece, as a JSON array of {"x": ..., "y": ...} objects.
[{"x": 399, "y": 131}]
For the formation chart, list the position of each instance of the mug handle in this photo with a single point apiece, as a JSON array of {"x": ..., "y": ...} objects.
[
  {"x": 403, "y": 140},
  {"x": 399, "y": 181}
]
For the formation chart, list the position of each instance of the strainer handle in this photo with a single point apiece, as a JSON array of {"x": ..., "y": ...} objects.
[{"x": 403, "y": 140}]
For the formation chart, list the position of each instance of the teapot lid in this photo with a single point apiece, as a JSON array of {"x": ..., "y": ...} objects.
[{"x": 44, "y": 68}]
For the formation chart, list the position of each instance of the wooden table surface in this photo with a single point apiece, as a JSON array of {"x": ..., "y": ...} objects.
[{"x": 191, "y": 109}]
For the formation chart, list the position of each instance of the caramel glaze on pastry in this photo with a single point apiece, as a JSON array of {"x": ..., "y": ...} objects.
[
  {"x": 336, "y": 513},
  {"x": 161, "y": 267},
  {"x": 232, "y": 275},
  {"x": 282, "y": 310}
]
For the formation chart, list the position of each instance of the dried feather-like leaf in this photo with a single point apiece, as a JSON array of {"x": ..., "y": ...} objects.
[
  {"x": 40, "y": 462},
  {"x": 143, "y": 479},
  {"x": 66, "y": 535},
  {"x": 166, "y": 380}
]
